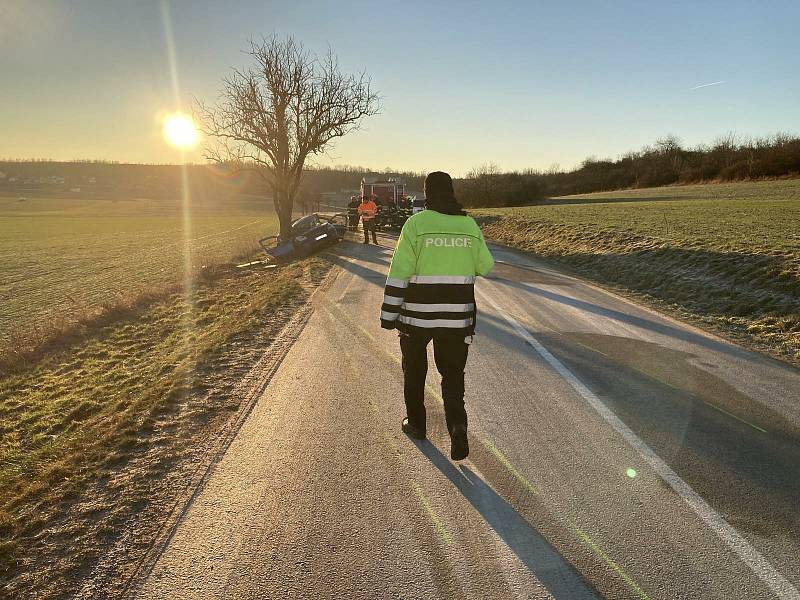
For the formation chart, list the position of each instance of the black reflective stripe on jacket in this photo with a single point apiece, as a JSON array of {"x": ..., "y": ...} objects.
[{"x": 428, "y": 304}]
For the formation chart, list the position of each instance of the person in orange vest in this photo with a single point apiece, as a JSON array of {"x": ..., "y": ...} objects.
[{"x": 368, "y": 209}]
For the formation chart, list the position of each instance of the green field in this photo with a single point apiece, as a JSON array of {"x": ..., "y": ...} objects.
[
  {"x": 788, "y": 189},
  {"x": 725, "y": 254},
  {"x": 62, "y": 257},
  {"x": 763, "y": 217}
]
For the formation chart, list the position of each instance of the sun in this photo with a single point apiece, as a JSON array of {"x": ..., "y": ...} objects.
[{"x": 179, "y": 131}]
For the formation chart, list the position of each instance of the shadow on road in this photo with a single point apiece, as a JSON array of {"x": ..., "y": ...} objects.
[
  {"x": 699, "y": 424},
  {"x": 691, "y": 417},
  {"x": 367, "y": 253},
  {"x": 375, "y": 254},
  {"x": 629, "y": 319},
  {"x": 531, "y": 548}
]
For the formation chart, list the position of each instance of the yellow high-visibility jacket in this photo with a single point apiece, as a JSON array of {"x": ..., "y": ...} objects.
[{"x": 431, "y": 280}]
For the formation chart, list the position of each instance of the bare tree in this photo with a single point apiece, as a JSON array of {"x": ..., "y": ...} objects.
[
  {"x": 670, "y": 148},
  {"x": 291, "y": 104}
]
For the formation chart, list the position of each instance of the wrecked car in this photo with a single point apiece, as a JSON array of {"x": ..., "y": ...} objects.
[{"x": 309, "y": 234}]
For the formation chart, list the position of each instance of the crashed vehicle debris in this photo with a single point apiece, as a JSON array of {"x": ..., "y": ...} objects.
[{"x": 309, "y": 234}]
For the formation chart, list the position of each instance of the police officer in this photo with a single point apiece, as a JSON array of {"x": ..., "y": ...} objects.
[{"x": 430, "y": 295}]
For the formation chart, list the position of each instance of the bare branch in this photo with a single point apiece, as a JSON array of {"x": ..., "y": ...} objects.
[{"x": 288, "y": 106}]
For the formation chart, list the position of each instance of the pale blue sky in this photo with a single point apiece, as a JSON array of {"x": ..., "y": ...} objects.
[{"x": 522, "y": 84}]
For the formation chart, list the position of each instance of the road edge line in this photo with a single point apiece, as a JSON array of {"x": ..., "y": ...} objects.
[{"x": 732, "y": 538}]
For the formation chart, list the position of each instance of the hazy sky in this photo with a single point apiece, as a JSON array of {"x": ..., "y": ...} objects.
[{"x": 522, "y": 84}]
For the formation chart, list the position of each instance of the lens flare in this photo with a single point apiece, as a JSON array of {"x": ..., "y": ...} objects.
[{"x": 179, "y": 131}]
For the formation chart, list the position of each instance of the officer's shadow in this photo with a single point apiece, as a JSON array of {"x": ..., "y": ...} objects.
[{"x": 533, "y": 550}]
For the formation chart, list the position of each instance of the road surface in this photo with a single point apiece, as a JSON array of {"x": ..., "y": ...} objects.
[{"x": 615, "y": 453}]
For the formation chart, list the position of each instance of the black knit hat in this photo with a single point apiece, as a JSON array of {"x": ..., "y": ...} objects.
[{"x": 438, "y": 185}]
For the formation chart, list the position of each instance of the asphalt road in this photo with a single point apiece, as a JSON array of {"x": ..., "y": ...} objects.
[{"x": 615, "y": 453}]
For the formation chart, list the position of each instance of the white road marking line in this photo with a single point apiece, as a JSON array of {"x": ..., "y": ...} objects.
[
  {"x": 346, "y": 288},
  {"x": 749, "y": 555}
]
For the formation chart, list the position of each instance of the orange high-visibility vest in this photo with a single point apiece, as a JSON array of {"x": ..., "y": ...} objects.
[{"x": 367, "y": 210}]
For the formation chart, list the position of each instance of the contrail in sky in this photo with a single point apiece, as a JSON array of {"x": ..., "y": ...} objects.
[{"x": 697, "y": 87}]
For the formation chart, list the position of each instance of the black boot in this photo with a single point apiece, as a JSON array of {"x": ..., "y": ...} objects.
[
  {"x": 411, "y": 431},
  {"x": 459, "y": 447}
]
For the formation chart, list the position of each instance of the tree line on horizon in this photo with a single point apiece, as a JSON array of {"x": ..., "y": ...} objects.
[
  {"x": 206, "y": 181},
  {"x": 667, "y": 162}
]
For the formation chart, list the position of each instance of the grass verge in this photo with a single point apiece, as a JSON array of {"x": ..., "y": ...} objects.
[
  {"x": 26, "y": 346},
  {"x": 92, "y": 432},
  {"x": 732, "y": 267}
]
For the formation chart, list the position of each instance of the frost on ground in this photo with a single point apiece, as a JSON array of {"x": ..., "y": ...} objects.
[
  {"x": 731, "y": 265},
  {"x": 102, "y": 440}
]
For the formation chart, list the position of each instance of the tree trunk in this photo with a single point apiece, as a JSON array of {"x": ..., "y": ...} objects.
[{"x": 283, "y": 208}]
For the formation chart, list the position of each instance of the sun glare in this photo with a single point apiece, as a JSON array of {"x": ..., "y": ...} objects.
[{"x": 179, "y": 131}]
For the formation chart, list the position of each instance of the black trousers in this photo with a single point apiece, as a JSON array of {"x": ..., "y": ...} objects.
[
  {"x": 450, "y": 354},
  {"x": 369, "y": 225}
]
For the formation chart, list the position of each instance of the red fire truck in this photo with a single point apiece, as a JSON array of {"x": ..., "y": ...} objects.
[
  {"x": 387, "y": 192},
  {"x": 390, "y": 196}
]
